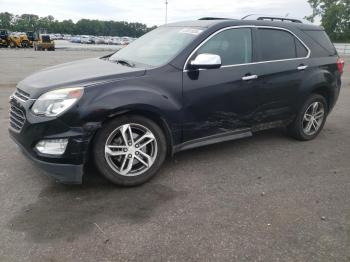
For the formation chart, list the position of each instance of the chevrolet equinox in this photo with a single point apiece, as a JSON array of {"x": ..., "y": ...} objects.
[{"x": 180, "y": 86}]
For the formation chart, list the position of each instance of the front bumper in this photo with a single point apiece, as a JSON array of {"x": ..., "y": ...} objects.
[
  {"x": 66, "y": 168},
  {"x": 63, "y": 173}
]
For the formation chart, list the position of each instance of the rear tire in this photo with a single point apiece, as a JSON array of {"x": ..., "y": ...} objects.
[
  {"x": 125, "y": 159},
  {"x": 310, "y": 119}
]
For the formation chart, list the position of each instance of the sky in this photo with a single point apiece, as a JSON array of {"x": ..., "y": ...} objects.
[{"x": 152, "y": 12}]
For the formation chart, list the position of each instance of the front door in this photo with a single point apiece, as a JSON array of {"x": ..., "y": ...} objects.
[{"x": 217, "y": 101}]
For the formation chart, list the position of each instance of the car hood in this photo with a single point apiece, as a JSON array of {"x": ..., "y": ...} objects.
[{"x": 82, "y": 72}]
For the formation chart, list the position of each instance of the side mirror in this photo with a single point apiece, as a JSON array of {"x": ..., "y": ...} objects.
[{"x": 206, "y": 61}]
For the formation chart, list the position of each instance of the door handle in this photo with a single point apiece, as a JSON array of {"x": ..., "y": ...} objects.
[
  {"x": 302, "y": 67},
  {"x": 249, "y": 77}
]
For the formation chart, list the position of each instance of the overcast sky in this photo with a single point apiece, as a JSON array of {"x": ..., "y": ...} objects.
[{"x": 152, "y": 12}]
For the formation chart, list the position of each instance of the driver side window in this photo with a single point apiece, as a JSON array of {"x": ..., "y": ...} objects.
[{"x": 234, "y": 46}]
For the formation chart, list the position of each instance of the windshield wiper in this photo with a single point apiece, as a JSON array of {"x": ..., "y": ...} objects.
[{"x": 124, "y": 62}]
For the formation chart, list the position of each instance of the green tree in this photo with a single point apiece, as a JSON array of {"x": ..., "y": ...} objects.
[
  {"x": 335, "y": 17},
  {"x": 6, "y": 20},
  {"x": 30, "y": 22},
  {"x": 25, "y": 22}
]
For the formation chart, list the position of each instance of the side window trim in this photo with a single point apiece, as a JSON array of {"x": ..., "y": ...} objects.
[
  {"x": 254, "y": 40},
  {"x": 295, "y": 38},
  {"x": 251, "y": 52}
]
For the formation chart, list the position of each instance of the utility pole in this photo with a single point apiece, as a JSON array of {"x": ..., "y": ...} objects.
[{"x": 166, "y": 11}]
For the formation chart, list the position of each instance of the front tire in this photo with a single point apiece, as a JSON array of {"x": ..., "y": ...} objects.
[
  {"x": 129, "y": 150},
  {"x": 310, "y": 119}
]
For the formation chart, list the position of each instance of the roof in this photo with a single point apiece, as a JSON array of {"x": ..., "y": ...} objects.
[{"x": 231, "y": 22}]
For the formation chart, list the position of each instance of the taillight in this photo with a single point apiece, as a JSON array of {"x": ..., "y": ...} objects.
[{"x": 340, "y": 64}]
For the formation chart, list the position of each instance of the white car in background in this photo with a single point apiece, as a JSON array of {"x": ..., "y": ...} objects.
[
  {"x": 67, "y": 37},
  {"x": 86, "y": 39},
  {"x": 126, "y": 40},
  {"x": 116, "y": 40},
  {"x": 98, "y": 40}
]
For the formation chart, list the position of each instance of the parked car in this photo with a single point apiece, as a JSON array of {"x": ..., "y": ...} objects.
[
  {"x": 67, "y": 37},
  {"x": 180, "y": 86},
  {"x": 98, "y": 40},
  {"x": 116, "y": 40},
  {"x": 86, "y": 39},
  {"x": 75, "y": 39},
  {"x": 125, "y": 40}
]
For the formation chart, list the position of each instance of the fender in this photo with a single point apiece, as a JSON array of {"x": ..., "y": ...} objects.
[
  {"x": 317, "y": 80},
  {"x": 139, "y": 95}
]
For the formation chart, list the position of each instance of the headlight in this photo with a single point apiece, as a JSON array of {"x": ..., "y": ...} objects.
[{"x": 56, "y": 102}]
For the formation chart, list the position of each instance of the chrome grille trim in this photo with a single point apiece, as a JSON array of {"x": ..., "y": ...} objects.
[
  {"x": 20, "y": 94},
  {"x": 17, "y": 118}
]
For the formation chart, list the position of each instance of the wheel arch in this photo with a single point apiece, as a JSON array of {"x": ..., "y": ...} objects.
[
  {"x": 150, "y": 114},
  {"x": 319, "y": 82},
  {"x": 324, "y": 91}
]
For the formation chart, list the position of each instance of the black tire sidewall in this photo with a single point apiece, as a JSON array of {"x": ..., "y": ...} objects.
[{"x": 99, "y": 150}]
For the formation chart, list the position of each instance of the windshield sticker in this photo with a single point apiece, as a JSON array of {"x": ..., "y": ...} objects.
[{"x": 191, "y": 31}]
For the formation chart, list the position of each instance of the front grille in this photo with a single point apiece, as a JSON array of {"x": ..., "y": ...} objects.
[
  {"x": 17, "y": 118},
  {"x": 24, "y": 96}
]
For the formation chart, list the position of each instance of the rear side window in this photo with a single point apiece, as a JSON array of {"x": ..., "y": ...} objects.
[
  {"x": 234, "y": 46},
  {"x": 277, "y": 44},
  {"x": 322, "y": 40},
  {"x": 300, "y": 48}
]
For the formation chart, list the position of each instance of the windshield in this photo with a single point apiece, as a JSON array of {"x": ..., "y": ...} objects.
[{"x": 158, "y": 47}]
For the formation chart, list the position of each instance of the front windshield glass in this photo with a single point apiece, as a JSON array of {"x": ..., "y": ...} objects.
[{"x": 157, "y": 47}]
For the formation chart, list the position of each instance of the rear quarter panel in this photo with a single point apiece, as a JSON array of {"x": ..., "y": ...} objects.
[{"x": 322, "y": 73}]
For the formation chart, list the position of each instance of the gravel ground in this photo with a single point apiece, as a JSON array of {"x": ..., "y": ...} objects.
[{"x": 266, "y": 198}]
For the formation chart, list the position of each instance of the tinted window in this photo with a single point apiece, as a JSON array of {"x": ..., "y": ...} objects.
[
  {"x": 234, "y": 46},
  {"x": 322, "y": 39},
  {"x": 276, "y": 44},
  {"x": 301, "y": 50}
]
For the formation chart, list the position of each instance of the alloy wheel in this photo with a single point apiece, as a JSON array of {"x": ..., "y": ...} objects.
[
  {"x": 131, "y": 149},
  {"x": 313, "y": 118}
]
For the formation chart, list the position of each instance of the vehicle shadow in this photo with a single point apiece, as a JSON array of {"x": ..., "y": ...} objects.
[{"x": 67, "y": 211}]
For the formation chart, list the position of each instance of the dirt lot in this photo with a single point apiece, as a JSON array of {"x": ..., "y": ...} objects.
[{"x": 266, "y": 198}]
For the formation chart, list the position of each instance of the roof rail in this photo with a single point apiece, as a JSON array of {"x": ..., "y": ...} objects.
[
  {"x": 214, "y": 18},
  {"x": 272, "y": 18}
]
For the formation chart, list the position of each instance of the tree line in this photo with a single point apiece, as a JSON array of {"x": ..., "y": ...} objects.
[
  {"x": 335, "y": 17},
  {"x": 30, "y": 22}
]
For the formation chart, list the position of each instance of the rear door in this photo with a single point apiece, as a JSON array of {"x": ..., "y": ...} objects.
[{"x": 281, "y": 68}]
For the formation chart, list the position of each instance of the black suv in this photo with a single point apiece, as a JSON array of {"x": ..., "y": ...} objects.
[{"x": 181, "y": 86}]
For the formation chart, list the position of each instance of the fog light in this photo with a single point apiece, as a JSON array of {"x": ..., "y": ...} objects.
[{"x": 52, "y": 146}]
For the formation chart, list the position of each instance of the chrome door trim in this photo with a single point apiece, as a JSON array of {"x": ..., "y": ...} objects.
[{"x": 252, "y": 63}]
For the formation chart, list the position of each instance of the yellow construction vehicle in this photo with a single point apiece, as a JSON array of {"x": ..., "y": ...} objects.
[
  {"x": 14, "y": 40},
  {"x": 43, "y": 42},
  {"x": 31, "y": 38},
  {"x": 19, "y": 40},
  {"x": 4, "y": 38}
]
